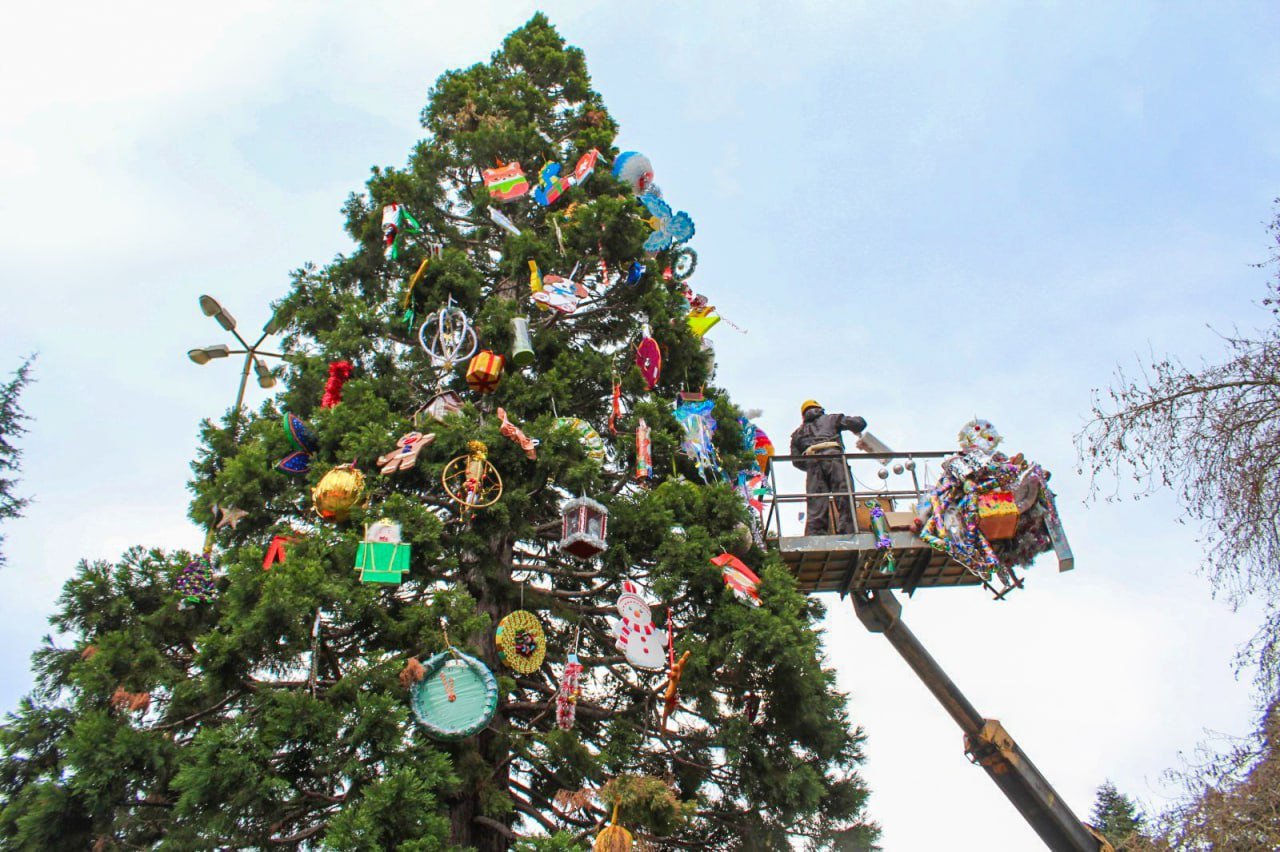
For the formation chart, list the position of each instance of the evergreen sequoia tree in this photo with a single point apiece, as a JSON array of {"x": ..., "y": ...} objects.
[
  {"x": 277, "y": 713},
  {"x": 1117, "y": 817},
  {"x": 11, "y": 427}
]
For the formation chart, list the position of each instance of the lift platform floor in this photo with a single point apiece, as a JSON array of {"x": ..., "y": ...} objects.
[{"x": 840, "y": 563}]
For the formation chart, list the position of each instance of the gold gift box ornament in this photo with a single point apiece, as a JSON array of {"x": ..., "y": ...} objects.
[{"x": 485, "y": 371}]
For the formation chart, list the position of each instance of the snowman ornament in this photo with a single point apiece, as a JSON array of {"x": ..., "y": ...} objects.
[{"x": 635, "y": 636}]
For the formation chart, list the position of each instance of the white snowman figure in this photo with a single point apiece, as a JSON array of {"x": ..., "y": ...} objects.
[{"x": 635, "y": 634}]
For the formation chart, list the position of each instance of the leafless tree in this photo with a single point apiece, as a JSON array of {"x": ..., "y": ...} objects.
[{"x": 1212, "y": 434}]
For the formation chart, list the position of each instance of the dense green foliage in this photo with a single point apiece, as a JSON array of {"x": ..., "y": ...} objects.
[{"x": 261, "y": 733}]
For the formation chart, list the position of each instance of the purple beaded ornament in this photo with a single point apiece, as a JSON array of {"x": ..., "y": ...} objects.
[{"x": 195, "y": 583}]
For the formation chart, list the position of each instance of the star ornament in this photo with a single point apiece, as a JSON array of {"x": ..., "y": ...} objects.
[{"x": 228, "y": 516}]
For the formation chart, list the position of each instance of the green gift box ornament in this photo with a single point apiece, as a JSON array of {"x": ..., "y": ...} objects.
[{"x": 382, "y": 557}]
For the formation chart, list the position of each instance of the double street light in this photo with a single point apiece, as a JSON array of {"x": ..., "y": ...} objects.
[{"x": 252, "y": 355}]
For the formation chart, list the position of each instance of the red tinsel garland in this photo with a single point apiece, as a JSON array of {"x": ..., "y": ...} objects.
[{"x": 339, "y": 372}]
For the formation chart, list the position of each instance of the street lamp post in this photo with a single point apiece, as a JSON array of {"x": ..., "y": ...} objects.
[{"x": 252, "y": 355}]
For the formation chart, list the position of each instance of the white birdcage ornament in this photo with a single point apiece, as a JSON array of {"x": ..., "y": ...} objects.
[{"x": 585, "y": 526}]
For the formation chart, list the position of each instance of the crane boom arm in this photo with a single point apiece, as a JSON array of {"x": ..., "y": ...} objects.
[{"x": 986, "y": 742}]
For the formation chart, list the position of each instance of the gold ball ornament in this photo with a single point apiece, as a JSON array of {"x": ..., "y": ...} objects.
[{"x": 338, "y": 492}]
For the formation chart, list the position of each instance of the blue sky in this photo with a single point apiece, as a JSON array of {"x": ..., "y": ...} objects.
[{"x": 918, "y": 212}]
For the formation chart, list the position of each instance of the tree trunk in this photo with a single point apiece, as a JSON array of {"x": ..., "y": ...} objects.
[{"x": 489, "y": 581}]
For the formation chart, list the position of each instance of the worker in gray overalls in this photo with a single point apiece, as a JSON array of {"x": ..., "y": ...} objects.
[{"x": 819, "y": 436}]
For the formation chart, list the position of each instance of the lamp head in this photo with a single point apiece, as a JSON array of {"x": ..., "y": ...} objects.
[
  {"x": 265, "y": 379},
  {"x": 203, "y": 356},
  {"x": 211, "y": 308}
]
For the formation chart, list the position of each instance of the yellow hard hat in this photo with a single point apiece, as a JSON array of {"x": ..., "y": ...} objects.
[{"x": 809, "y": 403}]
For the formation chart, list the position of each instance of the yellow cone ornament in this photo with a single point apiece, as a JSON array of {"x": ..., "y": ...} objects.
[
  {"x": 614, "y": 838},
  {"x": 338, "y": 492}
]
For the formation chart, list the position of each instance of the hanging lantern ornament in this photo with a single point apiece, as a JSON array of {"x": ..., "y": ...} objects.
[
  {"x": 485, "y": 371},
  {"x": 338, "y": 492},
  {"x": 447, "y": 336},
  {"x": 584, "y": 527},
  {"x": 521, "y": 641},
  {"x": 471, "y": 480}
]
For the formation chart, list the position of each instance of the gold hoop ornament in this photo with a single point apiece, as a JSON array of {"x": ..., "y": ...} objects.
[
  {"x": 471, "y": 480},
  {"x": 522, "y": 644},
  {"x": 338, "y": 492}
]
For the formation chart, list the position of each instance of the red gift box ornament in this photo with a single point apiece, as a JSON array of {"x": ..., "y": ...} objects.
[{"x": 484, "y": 371}]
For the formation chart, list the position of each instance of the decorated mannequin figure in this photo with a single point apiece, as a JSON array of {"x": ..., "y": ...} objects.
[{"x": 635, "y": 635}]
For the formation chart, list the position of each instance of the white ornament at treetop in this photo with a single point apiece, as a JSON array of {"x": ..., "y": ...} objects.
[{"x": 979, "y": 434}]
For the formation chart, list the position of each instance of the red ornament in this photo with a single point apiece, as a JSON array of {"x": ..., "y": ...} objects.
[
  {"x": 276, "y": 550},
  {"x": 616, "y": 411},
  {"x": 649, "y": 360},
  {"x": 339, "y": 372}
]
